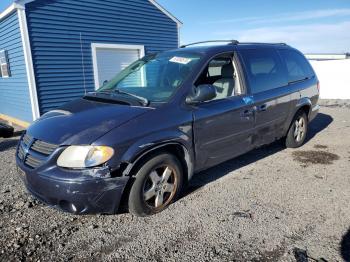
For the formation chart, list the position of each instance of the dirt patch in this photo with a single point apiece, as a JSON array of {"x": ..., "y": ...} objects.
[
  {"x": 320, "y": 146},
  {"x": 244, "y": 214},
  {"x": 274, "y": 255},
  {"x": 315, "y": 157}
]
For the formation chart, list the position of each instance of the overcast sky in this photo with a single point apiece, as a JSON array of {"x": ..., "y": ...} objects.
[{"x": 310, "y": 25}]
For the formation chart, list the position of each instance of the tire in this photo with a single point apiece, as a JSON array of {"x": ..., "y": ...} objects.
[
  {"x": 297, "y": 131},
  {"x": 6, "y": 131},
  {"x": 158, "y": 183}
]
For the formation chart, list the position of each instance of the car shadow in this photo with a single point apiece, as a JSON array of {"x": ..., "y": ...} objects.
[
  {"x": 321, "y": 122},
  {"x": 199, "y": 180},
  {"x": 345, "y": 247},
  {"x": 6, "y": 144}
]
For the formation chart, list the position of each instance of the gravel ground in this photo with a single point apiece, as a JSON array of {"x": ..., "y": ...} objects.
[{"x": 272, "y": 204}]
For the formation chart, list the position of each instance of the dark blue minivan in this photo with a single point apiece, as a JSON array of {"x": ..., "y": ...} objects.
[{"x": 143, "y": 134}]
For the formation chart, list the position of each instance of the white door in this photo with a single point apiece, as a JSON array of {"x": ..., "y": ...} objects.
[{"x": 109, "y": 60}]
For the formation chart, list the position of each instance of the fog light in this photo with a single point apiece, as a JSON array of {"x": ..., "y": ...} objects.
[
  {"x": 69, "y": 207},
  {"x": 73, "y": 207}
]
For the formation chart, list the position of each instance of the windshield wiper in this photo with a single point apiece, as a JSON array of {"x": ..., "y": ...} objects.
[
  {"x": 112, "y": 95},
  {"x": 299, "y": 80},
  {"x": 144, "y": 101}
]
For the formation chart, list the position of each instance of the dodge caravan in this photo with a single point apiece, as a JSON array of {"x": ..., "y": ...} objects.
[{"x": 142, "y": 136}]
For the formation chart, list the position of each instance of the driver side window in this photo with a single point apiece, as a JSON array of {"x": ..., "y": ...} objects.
[{"x": 221, "y": 73}]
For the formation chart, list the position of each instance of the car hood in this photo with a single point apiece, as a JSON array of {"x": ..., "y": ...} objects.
[{"x": 81, "y": 122}]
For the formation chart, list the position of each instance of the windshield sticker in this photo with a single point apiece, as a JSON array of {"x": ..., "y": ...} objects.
[{"x": 180, "y": 60}]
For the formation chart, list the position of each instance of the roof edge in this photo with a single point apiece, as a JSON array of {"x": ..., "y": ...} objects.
[
  {"x": 23, "y": 2},
  {"x": 166, "y": 12},
  {"x": 9, "y": 10},
  {"x": 20, "y": 4}
]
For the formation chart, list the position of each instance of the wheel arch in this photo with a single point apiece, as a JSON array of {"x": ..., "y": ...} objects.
[
  {"x": 176, "y": 148},
  {"x": 129, "y": 167},
  {"x": 305, "y": 105}
]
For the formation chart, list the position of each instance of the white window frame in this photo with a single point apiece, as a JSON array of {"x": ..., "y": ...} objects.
[
  {"x": 5, "y": 64},
  {"x": 95, "y": 46}
]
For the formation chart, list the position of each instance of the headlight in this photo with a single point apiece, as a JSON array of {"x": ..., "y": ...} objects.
[{"x": 84, "y": 156}]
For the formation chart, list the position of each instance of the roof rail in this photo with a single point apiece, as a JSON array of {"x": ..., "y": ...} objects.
[
  {"x": 231, "y": 42},
  {"x": 257, "y": 43}
]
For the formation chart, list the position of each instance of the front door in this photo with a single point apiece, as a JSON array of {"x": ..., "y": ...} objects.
[{"x": 223, "y": 129}]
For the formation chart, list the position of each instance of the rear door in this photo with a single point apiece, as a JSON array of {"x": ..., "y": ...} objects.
[{"x": 268, "y": 85}]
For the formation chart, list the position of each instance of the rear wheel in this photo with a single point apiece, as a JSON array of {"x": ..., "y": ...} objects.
[
  {"x": 158, "y": 183},
  {"x": 297, "y": 131}
]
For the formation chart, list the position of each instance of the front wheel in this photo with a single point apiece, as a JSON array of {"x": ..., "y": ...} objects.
[
  {"x": 158, "y": 183},
  {"x": 297, "y": 131}
]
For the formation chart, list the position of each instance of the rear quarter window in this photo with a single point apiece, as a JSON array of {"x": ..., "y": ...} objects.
[
  {"x": 298, "y": 67},
  {"x": 264, "y": 69}
]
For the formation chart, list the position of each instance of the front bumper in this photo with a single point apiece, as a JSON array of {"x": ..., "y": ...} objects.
[{"x": 74, "y": 191}]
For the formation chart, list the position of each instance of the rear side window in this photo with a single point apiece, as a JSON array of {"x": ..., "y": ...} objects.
[
  {"x": 264, "y": 69},
  {"x": 297, "y": 66}
]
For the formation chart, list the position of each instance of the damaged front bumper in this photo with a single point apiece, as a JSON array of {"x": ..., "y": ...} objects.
[{"x": 75, "y": 191}]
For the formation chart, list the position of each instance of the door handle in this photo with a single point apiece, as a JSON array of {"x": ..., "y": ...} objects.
[{"x": 262, "y": 108}]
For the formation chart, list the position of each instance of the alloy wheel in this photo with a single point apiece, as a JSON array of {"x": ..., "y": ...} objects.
[
  {"x": 299, "y": 129},
  {"x": 160, "y": 187}
]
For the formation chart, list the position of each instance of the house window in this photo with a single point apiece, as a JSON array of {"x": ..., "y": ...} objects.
[{"x": 4, "y": 64}]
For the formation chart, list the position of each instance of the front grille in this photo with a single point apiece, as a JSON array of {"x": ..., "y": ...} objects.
[
  {"x": 32, "y": 161},
  {"x": 27, "y": 139},
  {"x": 43, "y": 147},
  {"x": 34, "y": 152},
  {"x": 21, "y": 153}
]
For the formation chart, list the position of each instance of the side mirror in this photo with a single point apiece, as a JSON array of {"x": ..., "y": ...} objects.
[{"x": 202, "y": 93}]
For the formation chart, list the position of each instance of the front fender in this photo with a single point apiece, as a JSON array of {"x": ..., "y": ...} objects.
[
  {"x": 153, "y": 140},
  {"x": 156, "y": 141}
]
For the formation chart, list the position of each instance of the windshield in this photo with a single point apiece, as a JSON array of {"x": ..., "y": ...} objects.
[{"x": 154, "y": 77}]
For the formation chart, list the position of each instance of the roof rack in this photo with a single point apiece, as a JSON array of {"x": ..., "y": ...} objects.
[
  {"x": 257, "y": 43},
  {"x": 231, "y": 42}
]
